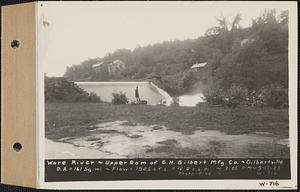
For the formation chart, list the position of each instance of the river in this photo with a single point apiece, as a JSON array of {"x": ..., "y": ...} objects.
[
  {"x": 119, "y": 139},
  {"x": 190, "y": 100}
]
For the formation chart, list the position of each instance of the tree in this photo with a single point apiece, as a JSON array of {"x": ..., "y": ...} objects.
[
  {"x": 261, "y": 61},
  {"x": 271, "y": 31}
]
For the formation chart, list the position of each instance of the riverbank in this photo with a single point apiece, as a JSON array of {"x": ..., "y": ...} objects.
[{"x": 74, "y": 119}]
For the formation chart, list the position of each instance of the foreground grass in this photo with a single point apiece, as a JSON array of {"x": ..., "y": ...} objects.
[{"x": 72, "y": 119}]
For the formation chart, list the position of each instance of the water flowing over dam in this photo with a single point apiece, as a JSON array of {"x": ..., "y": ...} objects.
[{"x": 147, "y": 91}]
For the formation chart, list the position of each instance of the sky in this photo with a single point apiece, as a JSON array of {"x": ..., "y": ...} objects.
[{"x": 81, "y": 30}]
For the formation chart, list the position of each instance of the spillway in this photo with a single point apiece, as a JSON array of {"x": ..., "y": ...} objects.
[{"x": 147, "y": 91}]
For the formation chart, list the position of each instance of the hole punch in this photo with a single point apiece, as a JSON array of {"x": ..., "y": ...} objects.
[
  {"x": 15, "y": 44},
  {"x": 17, "y": 147}
]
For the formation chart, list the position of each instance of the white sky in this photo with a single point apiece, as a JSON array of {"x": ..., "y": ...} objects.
[{"x": 82, "y": 30}]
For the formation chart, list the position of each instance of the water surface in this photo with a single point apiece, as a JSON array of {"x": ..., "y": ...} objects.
[
  {"x": 190, "y": 100},
  {"x": 121, "y": 139}
]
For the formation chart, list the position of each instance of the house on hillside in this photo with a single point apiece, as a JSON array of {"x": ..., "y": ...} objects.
[
  {"x": 247, "y": 41},
  {"x": 116, "y": 66},
  {"x": 96, "y": 66},
  {"x": 198, "y": 66}
]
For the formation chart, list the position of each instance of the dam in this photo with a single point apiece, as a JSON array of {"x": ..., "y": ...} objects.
[{"x": 147, "y": 91}]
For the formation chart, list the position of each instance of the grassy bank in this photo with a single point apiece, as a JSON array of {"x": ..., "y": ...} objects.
[{"x": 72, "y": 119}]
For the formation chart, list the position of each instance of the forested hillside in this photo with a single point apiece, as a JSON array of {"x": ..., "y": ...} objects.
[{"x": 252, "y": 58}]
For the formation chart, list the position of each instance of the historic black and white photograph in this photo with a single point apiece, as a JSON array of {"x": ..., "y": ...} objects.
[{"x": 165, "y": 80}]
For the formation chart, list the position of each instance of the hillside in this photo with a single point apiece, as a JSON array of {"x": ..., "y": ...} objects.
[{"x": 251, "y": 57}]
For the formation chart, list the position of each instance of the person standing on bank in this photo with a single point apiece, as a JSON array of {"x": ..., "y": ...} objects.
[{"x": 137, "y": 96}]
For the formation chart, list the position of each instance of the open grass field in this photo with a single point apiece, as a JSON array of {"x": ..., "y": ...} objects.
[{"x": 72, "y": 119}]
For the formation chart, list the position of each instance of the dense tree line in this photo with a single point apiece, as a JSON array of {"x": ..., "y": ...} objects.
[
  {"x": 58, "y": 89},
  {"x": 252, "y": 58}
]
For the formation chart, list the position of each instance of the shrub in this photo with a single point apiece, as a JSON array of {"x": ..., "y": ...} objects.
[
  {"x": 232, "y": 97},
  {"x": 58, "y": 89},
  {"x": 94, "y": 98},
  {"x": 274, "y": 95},
  {"x": 254, "y": 99},
  {"x": 119, "y": 98},
  {"x": 213, "y": 96},
  {"x": 235, "y": 95}
]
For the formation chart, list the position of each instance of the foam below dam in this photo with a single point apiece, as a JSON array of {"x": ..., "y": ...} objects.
[{"x": 147, "y": 91}]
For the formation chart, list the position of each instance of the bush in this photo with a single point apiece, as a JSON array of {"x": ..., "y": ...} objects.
[
  {"x": 94, "y": 98},
  {"x": 235, "y": 95},
  {"x": 274, "y": 95},
  {"x": 254, "y": 99},
  {"x": 58, "y": 89},
  {"x": 119, "y": 98},
  {"x": 213, "y": 96},
  {"x": 232, "y": 97}
]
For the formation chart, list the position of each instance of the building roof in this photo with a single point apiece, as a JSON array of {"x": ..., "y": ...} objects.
[
  {"x": 119, "y": 62},
  {"x": 97, "y": 65},
  {"x": 247, "y": 41},
  {"x": 198, "y": 65}
]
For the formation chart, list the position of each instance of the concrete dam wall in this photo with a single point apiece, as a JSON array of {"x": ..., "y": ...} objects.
[{"x": 147, "y": 91}]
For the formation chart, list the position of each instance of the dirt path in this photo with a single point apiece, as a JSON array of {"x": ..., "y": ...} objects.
[{"x": 120, "y": 139}]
